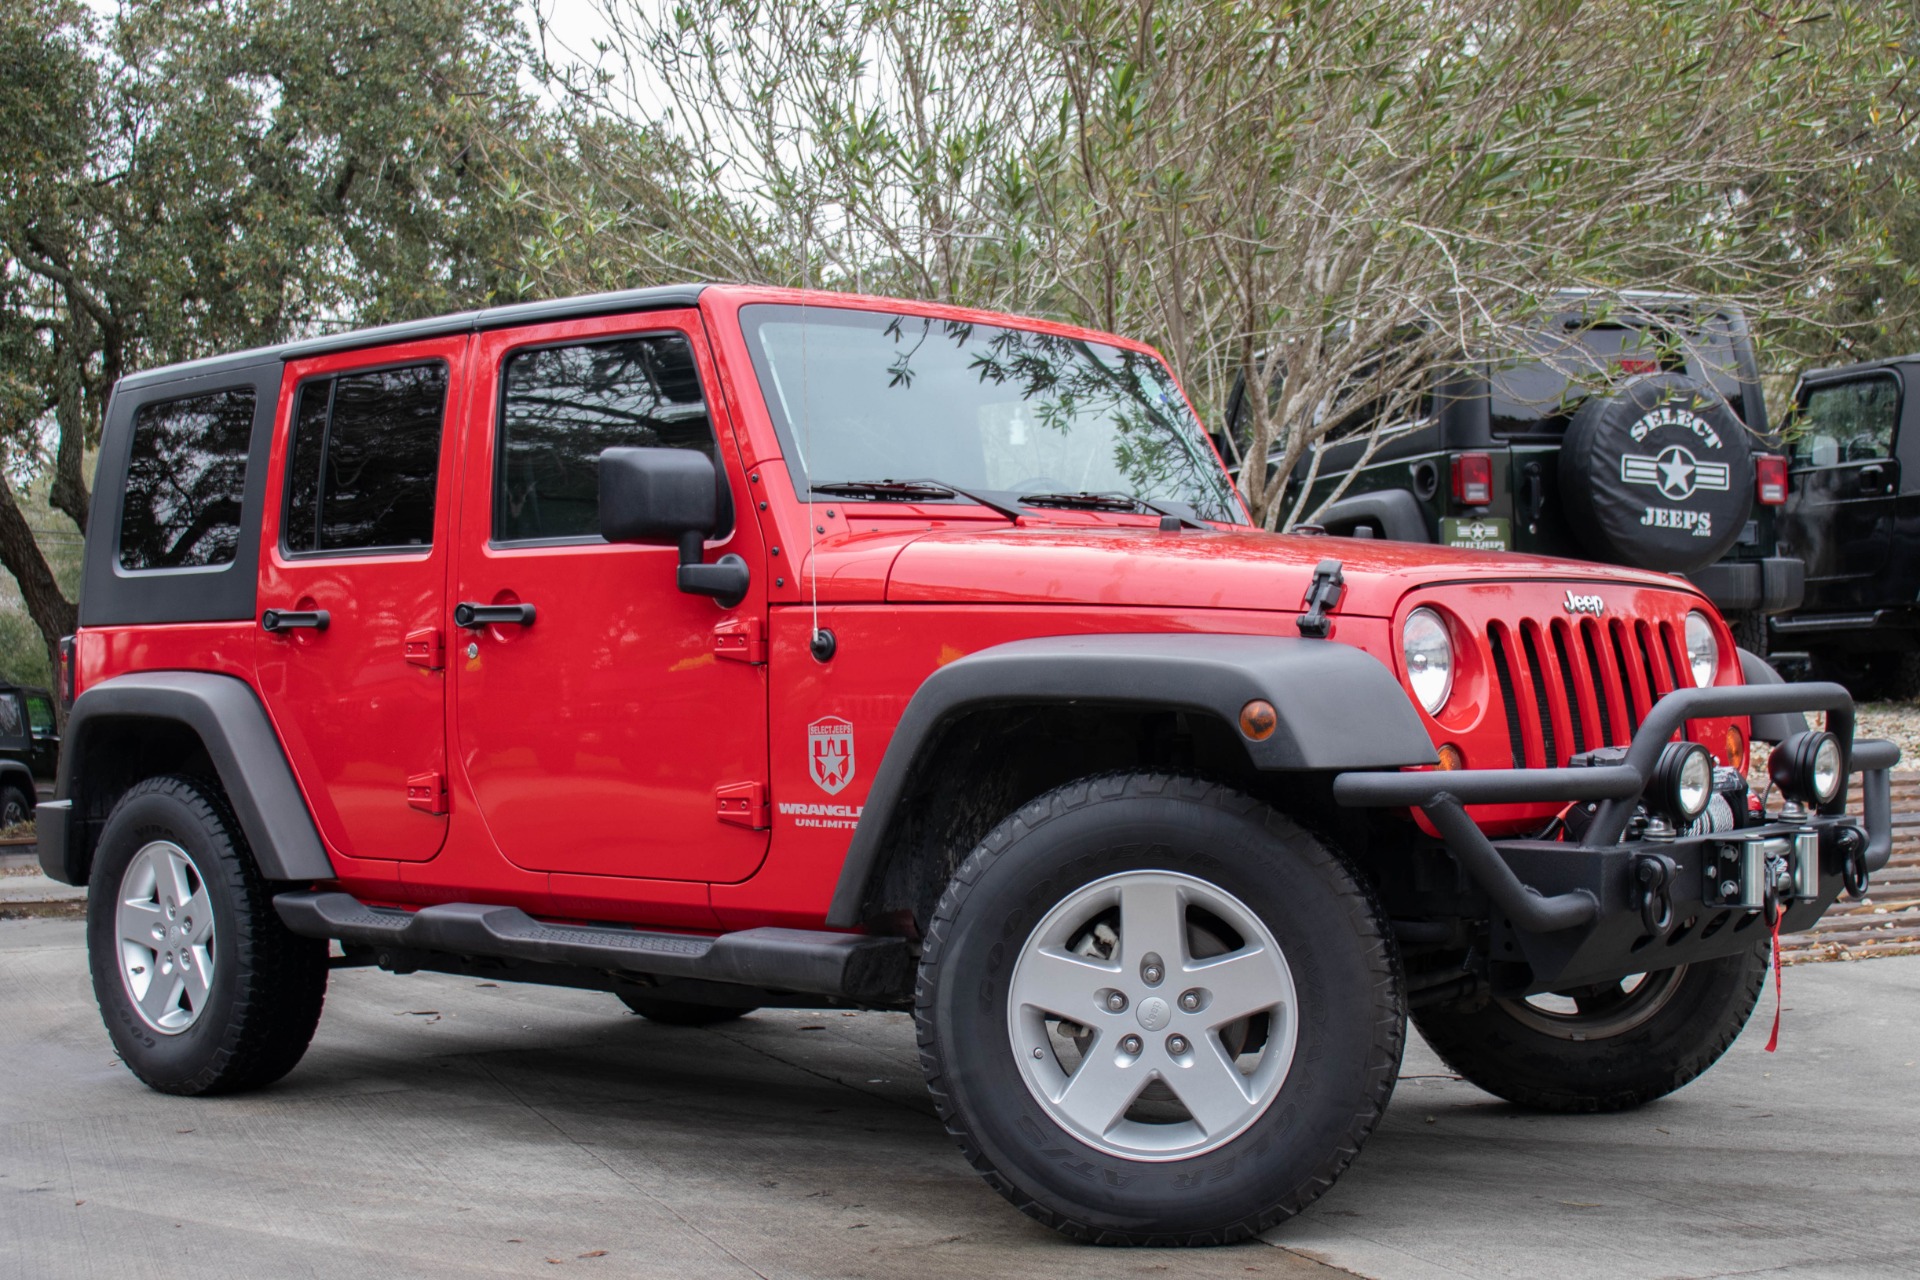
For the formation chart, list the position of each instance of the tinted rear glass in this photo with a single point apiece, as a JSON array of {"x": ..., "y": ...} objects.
[
  {"x": 185, "y": 478},
  {"x": 1566, "y": 363},
  {"x": 365, "y": 460}
]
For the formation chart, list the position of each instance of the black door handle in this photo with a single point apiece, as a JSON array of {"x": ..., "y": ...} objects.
[
  {"x": 474, "y": 616},
  {"x": 1873, "y": 479},
  {"x": 289, "y": 619}
]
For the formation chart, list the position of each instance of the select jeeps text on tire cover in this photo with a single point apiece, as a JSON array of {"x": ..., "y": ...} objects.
[
  {"x": 1853, "y": 514},
  {"x": 1634, "y": 436},
  {"x": 728, "y": 647}
]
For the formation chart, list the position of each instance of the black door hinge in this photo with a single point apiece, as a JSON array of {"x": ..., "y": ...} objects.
[{"x": 1323, "y": 593}]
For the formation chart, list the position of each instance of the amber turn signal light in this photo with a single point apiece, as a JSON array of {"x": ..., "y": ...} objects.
[
  {"x": 1258, "y": 720},
  {"x": 1452, "y": 757}
]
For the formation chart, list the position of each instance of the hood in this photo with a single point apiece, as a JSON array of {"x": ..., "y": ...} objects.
[{"x": 1143, "y": 567}]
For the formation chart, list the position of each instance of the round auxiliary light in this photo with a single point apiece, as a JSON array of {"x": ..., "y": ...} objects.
[
  {"x": 1427, "y": 649},
  {"x": 1682, "y": 781},
  {"x": 1808, "y": 768},
  {"x": 1258, "y": 720},
  {"x": 1703, "y": 651}
]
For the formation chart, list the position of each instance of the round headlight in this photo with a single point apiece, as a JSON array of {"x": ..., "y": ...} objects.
[
  {"x": 1826, "y": 769},
  {"x": 1428, "y": 651},
  {"x": 1703, "y": 651},
  {"x": 1683, "y": 781},
  {"x": 1807, "y": 767}
]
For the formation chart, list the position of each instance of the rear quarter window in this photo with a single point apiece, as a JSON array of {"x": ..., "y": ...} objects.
[{"x": 186, "y": 479}]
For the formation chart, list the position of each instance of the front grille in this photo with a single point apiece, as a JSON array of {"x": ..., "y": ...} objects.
[{"x": 1568, "y": 686}]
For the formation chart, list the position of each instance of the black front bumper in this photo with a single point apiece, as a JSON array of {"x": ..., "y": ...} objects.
[{"x": 1565, "y": 914}]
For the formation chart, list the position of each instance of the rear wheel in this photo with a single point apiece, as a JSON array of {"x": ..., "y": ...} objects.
[
  {"x": 16, "y": 806},
  {"x": 1605, "y": 1047},
  {"x": 201, "y": 986},
  {"x": 1119, "y": 993},
  {"x": 680, "y": 1013}
]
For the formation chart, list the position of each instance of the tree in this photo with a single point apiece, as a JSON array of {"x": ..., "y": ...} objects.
[
  {"x": 1332, "y": 197},
  {"x": 185, "y": 178}
]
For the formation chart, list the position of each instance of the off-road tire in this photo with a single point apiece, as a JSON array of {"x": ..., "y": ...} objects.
[
  {"x": 268, "y": 983},
  {"x": 1350, "y": 1010},
  {"x": 16, "y": 806},
  {"x": 1677, "y": 1043},
  {"x": 680, "y": 1013}
]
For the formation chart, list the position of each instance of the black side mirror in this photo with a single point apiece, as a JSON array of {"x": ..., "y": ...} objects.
[{"x": 648, "y": 495}]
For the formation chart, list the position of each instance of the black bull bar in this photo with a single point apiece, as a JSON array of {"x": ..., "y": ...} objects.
[{"x": 1571, "y": 913}]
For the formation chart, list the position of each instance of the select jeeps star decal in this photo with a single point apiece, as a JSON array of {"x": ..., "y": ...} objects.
[
  {"x": 1585, "y": 604},
  {"x": 830, "y": 753},
  {"x": 1676, "y": 473}
]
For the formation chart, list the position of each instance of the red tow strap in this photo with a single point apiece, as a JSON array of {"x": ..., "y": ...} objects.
[{"x": 1773, "y": 1041}]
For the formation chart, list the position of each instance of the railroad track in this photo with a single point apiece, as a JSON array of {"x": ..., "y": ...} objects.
[{"x": 1887, "y": 921}]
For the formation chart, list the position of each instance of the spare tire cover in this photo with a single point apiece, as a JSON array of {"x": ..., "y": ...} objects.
[{"x": 1657, "y": 475}]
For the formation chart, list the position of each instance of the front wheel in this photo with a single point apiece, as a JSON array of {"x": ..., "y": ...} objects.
[
  {"x": 1154, "y": 1011},
  {"x": 201, "y": 986},
  {"x": 1605, "y": 1047}
]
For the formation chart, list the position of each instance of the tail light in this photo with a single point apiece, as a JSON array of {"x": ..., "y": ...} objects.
[
  {"x": 63, "y": 679},
  {"x": 1473, "y": 479},
  {"x": 1769, "y": 479}
]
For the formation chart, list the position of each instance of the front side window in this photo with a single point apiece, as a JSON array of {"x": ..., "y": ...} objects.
[
  {"x": 861, "y": 396},
  {"x": 365, "y": 460},
  {"x": 39, "y": 715},
  {"x": 1847, "y": 422},
  {"x": 560, "y": 406},
  {"x": 186, "y": 477}
]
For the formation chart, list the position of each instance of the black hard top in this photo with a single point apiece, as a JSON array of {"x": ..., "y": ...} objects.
[
  {"x": 1885, "y": 362},
  {"x": 660, "y": 298}
]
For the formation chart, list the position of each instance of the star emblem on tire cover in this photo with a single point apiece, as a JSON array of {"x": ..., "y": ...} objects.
[{"x": 1676, "y": 473}]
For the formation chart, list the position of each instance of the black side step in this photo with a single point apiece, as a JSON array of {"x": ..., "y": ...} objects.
[{"x": 868, "y": 970}]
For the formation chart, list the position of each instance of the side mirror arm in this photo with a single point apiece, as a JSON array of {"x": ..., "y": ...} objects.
[{"x": 726, "y": 580}]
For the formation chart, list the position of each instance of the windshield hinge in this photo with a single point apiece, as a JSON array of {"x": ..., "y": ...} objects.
[
  {"x": 1323, "y": 594},
  {"x": 742, "y": 640}
]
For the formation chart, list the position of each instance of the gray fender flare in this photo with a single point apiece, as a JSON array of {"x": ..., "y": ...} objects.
[
  {"x": 229, "y": 720},
  {"x": 1317, "y": 688},
  {"x": 1396, "y": 511},
  {"x": 1774, "y": 726}
]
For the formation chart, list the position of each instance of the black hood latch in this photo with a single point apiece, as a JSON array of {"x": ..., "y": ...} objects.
[{"x": 1323, "y": 594}]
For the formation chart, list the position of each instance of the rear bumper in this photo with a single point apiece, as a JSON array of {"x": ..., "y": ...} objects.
[
  {"x": 1776, "y": 584},
  {"x": 1566, "y": 914}
]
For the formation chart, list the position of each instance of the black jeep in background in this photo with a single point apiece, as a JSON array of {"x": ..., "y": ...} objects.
[
  {"x": 29, "y": 751},
  {"x": 1637, "y": 438},
  {"x": 1853, "y": 516}
]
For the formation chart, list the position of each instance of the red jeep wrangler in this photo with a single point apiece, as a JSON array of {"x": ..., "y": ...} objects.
[{"x": 727, "y": 647}]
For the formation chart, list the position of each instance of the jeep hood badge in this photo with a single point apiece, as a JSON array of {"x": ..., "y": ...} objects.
[{"x": 1585, "y": 604}]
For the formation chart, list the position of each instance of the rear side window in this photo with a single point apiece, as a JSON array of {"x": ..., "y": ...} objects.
[
  {"x": 10, "y": 720},
  {"x": 365, "y": 460},
  {"x": 186, "y": 476},
  {"x": 1847, "y": 422},
  {"x": 560, "y": 406}
]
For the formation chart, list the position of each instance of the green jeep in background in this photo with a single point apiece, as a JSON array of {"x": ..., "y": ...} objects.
[{"x": 1634, "y": 436}]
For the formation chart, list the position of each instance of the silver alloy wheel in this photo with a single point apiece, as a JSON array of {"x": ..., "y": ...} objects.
[
  {"x": 1142, "y": 1030},
  {"x": 1597, "y": 1012},
  {"x": 165, "y": 924}
]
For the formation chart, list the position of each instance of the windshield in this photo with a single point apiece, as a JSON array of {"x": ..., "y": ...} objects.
[{"x": 862, "y": 396}]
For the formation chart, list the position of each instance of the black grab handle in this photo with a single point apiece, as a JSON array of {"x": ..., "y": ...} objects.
[
  {"x": 466, "y": 614},
  {"x": 289, "y": 619}
]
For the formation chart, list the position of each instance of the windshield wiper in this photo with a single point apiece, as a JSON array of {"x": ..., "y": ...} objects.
[
  {"x": 1106, "y": 502},
  {"x": 912, "y": 491}
]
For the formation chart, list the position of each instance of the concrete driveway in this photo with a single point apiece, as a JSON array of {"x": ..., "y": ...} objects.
[{"x": 442, "y": 1127}]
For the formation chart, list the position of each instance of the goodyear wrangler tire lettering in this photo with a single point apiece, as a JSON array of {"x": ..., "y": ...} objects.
[
  {"x": 1246, "y": 880},
  {"x": 1657, "y": 475}
]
